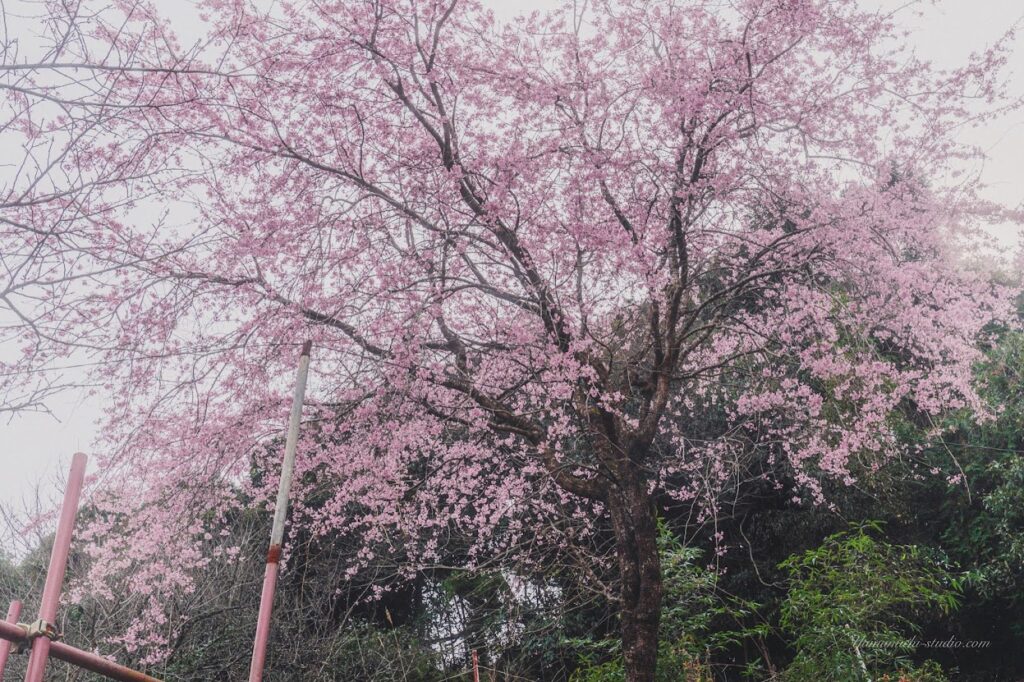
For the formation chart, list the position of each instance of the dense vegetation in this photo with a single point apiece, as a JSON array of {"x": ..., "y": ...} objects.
[{"x": 915, "y": 573}]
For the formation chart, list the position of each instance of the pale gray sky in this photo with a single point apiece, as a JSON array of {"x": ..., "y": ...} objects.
[{"x": 36, "y": 448}]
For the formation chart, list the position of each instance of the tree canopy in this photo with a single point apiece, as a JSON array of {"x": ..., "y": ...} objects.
[{"x": 559, "y": 270}]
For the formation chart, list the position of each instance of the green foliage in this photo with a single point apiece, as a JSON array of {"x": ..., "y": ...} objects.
[
  {"x": 365, "y": 652},
  {"x": 988, "y": 531},
  {"x": 1005, "y": 506},
  {"x": 697, "y": 618},
  {"x": 853, "y": 601},
  {"x": 697, "y": 621}
]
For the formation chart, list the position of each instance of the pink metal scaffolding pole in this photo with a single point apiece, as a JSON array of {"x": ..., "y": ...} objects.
[
  {"x": 5, "y": 646},
  {"x": 259, "y": 649},
  {"x": 55, "y": 573},
  {"x": 83, "y": 659},
  {"x": 41, "y": 635}
]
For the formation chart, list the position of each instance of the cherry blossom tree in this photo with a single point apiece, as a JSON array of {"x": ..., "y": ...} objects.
[
  {"x": 58, "y": 101},
  {"x": 529, "y": 256}
]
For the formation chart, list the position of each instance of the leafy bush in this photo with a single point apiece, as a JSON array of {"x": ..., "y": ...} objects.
[{"x": 852, "y": 603}]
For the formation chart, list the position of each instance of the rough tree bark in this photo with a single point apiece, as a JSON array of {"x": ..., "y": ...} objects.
[{"x": 634, "y": 523}]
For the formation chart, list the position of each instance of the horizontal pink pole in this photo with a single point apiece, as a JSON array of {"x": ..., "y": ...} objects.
[{"x": 83, "y": 659}]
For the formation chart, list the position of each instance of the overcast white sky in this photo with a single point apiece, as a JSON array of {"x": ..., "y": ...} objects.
[{"x": 35, "y": 449}]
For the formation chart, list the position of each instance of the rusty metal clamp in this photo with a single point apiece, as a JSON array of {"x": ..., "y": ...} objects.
[
  {"x": 42, "y": 628},
  {"x": 39, "y": 628}
]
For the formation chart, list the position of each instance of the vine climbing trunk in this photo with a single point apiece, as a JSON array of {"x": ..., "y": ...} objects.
[{"x": 636, "y": 546}]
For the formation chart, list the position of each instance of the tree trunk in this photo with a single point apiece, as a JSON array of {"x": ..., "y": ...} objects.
[{"x": 636, "y": 545}]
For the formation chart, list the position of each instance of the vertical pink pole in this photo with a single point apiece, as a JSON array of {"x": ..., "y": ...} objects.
[
  {"x": 259, "y": 647},
  {"x": 5, "y": 646},
  {"x": 476, "y": 667},
  {"x": 58, "y": 563}
]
